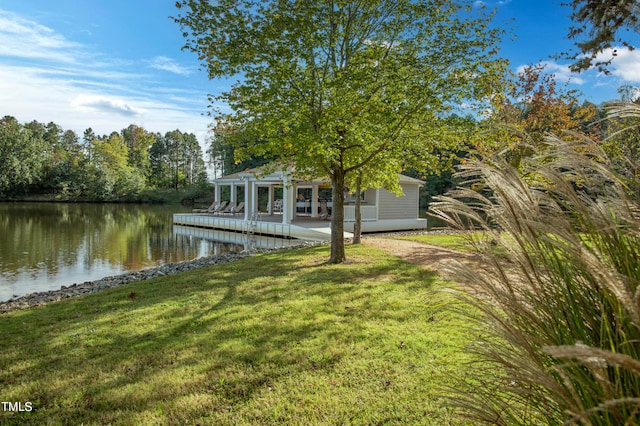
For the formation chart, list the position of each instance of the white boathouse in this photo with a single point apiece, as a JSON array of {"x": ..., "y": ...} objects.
[{"x": 276, "y": 204}]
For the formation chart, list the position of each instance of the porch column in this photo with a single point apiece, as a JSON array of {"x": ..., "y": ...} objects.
[
  {"x": 288, "y": 200},
  {"x": 216, "y": 192},
  {"x": 248, "y": 199},
  {"x": 314, "y": 201},
  {"x": 255, "y": 208},
  {"x": 233, "y": 193},
  {"x": 270, "y": 202}
]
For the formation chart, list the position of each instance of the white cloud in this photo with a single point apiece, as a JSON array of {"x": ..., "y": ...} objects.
[
  {"x": 167, "y": 64},
  {"x": 562, "y": 73},
  {"x": 46, "y": 77},
  {"x": 482, "y": 4},
  {"x": 106, "y": 105},
  {"x": 626, "y": 63},
  {"x": 31, "y": 94},
  {"x": 22, "y": 38}
]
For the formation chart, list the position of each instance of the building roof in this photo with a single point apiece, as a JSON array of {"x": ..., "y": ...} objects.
[
  {"x": 410, "y": 180},
  {"x": 257, "y": 174}
]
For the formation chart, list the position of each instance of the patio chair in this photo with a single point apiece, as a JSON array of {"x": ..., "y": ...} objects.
[
  {"x": 324, "y": 212},
  {"x": 209, "y": 209},
  {"x": 277, "y": 206},
  {"x": 230, "y": 206},
  {"x": 219, "y": 208},
  {"x": 237, "y": 209}
]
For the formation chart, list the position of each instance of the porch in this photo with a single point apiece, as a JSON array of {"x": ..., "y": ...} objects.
[{"x": 302, "y": 227}]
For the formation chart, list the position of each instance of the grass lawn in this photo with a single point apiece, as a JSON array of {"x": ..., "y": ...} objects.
[
  {"x": 458, "y": 241},
  {"x": 279, "y": 338}
]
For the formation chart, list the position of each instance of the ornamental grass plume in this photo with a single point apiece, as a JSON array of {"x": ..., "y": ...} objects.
[{"x": 563, "y": 304}]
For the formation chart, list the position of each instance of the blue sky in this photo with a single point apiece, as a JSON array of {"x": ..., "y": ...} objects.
[{"x": 106, "y": 64}]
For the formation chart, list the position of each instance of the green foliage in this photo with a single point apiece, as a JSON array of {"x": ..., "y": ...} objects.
[
  {"x": 50, "y": 163},
  {"x": 222, "y": 149},
  {"x": 176, "y": 160},
  {"x": 113, "y": 173},
  {"x": 563, "y": 305},
  {"x": 21, "y": 156},
  {"x": 344, "y": 88},
  {"x": 160, "y": 167},
  {"x": 454, "y": 241},
  {"x": 436, "y": 185},
  {"x": 138, "y": 142}
]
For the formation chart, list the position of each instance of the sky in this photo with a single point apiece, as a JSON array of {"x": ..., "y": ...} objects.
[{"x": 106, "y": 64}]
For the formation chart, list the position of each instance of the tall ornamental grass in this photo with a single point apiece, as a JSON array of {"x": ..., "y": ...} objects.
[{"x": 564, "y": 302}]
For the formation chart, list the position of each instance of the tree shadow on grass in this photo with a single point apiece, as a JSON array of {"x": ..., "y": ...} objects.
[{"x": 225, "y": 332}]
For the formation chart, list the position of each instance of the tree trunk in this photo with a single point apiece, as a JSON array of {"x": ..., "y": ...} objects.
[
  {"x": 337, "y": 218},
  {"x": 357, "y": 227}
]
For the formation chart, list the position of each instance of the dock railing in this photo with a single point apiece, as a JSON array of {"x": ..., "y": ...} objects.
[{"x": 369, "y": 213}]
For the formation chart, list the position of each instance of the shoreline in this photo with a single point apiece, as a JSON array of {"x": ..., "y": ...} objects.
[{"x": 79, "y": 289}]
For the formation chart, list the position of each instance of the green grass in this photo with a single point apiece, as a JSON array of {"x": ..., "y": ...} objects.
[
  {"x": 279, "y": 338},
  {"x": 459, "y": 242}
]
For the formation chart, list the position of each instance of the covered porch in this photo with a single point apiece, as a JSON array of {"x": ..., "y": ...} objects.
[{"x": 282, "y": 199}]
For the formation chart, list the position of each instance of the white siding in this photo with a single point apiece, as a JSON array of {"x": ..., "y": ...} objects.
[{"x": 391, "y": 206}]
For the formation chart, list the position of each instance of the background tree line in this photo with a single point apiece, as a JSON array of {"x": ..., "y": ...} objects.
[{"x": 39, "y": 159}]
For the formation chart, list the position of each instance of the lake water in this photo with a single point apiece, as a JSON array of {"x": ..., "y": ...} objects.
[{"x": 47, "y": 245}]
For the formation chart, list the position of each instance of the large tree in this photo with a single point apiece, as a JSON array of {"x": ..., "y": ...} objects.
[
  {"x": 176, "y": 160},
  {"x": 114, "y": 176},
  {"x": 534, "y": 106},
  {"x": 138, "y": 142},
  {"x": 222, "y": 146},
  {"x": 333, "y": 87},
  {"x": 22, "y": 154}
]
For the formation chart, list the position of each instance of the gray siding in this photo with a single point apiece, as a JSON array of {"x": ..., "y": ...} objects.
[
  {"x": 391, "y": 206},
  {"x": 370, "y": 197}
]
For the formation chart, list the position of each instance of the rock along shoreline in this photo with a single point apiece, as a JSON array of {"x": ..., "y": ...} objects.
[{"x": 88, "y": 287}]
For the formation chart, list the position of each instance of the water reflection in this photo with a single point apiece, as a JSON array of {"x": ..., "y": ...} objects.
[
  {"x": 47, "y": 245},
  {"x": 222, "y": 238}
]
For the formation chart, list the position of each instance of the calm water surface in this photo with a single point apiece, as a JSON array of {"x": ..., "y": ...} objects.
[{"x": 46, "y": 245}]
